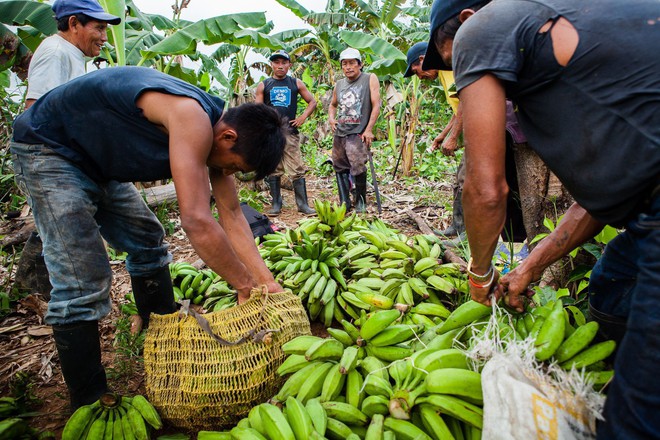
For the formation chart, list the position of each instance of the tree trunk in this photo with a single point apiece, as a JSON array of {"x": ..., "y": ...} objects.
[
  {"x": 541, "y": 193},
  {"x": 541, "y": 196}
]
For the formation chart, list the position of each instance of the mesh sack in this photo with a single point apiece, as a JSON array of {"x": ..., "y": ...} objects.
[{"x": 197, "y": 381}]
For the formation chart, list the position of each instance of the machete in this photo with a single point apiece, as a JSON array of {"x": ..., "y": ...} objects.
[{"x": 374, "y": 182}]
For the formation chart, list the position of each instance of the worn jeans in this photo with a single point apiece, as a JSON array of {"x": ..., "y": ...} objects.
[
  {"x": 73, "y": 214},
  {"x": 625, "y": 283}
]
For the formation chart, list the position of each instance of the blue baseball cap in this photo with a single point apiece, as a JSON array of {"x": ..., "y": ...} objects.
[
  {"x": 441, "y": 11},
  {"x": 91, "y": 8},
  {"x": 415, "y": 51}
]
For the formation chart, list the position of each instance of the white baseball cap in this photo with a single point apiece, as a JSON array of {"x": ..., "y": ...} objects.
[{"x": 350, "y": 54}]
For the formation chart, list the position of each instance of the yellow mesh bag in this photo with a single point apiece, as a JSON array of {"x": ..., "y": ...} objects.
[{"x": 197, "y": 382}]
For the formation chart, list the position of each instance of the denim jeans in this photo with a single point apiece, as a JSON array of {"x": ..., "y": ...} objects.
[
  {"x": 625, "y": 283},
  {"x": 73, "y": 215}
]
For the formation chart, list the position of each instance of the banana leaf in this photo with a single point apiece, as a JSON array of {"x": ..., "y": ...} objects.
[
  {"x": 27, "y": 12},
  {"x": 295, "y": 7},
  {"x": 117, "y": 34},
  {"x": 393, "y": 60},
  {"x": 209, "y": 31}
]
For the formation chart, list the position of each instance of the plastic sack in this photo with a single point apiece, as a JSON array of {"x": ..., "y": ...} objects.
[
  {"x": 524, "y": 403},
  {"x": 210, "y": 379}
]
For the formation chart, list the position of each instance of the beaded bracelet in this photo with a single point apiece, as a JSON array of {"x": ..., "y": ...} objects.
[{"x": 480, "y": 278}]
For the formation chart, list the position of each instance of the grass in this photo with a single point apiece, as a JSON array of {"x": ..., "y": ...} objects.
[{"x": 128, "y": 351}]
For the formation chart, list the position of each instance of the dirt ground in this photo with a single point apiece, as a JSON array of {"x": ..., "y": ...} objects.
[{"x": 26, "y": 344}]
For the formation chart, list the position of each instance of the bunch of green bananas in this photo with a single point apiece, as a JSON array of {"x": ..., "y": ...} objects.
[
  {"x": 14, "y": 428},
  {"x": 113, "y": 417},
  {"x": 197, "y": 285}
]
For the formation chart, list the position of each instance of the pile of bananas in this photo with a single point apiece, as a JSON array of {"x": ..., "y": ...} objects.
[
  {"x": 113, "y": 417},
  {"x": 201, "y": 286}
]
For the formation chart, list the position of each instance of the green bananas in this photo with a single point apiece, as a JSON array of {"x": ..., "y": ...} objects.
[{"x": 113, "y": 417}]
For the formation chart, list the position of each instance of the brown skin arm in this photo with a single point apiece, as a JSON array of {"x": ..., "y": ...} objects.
[
  {"x": 259, "y": 97},
  {"x": 311, "y": 104},
  {"x": 332, "y": 110},
  {"x": 450, "y": 145},
  {"x": 576, "y": 227},
  {"x": 238, "y": 231},
  {"x": 485, "y": 190},
  {"x": 374, "y": 92},
  {"x": 191, "y": 139},
  {"x": 29, "y": 102}
]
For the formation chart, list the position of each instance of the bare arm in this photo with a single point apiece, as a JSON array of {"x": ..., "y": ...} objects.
[
  {"x": 259, "y": 96},
  {"x": 311, "y": 104},
  {"x": 374, "y": 89},
  {"x": 332, "y": 110},
  {"x": 238, "y": 230},
  {"x": 485, "y": 190},
  {"x": 576, "y": 227},
  {"x": 450, "y": 145},
  {"x": 191, "y": 136}
]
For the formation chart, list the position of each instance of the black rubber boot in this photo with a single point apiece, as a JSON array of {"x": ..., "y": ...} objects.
[
  {"x": 300, "y": 190},
  {"x": 79, "y": 350},
  {"x": 361, "y": 192},
  {"x": 457, "y": 226},
  {"x": 343, "y": 187},
  {"x": 275, "y": 193},
  {"x": 154, "y": 294}
]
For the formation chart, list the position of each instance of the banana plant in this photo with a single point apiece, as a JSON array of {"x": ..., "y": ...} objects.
[
  {"x": 321, "y": 44},
  {"x": 34, "y": 21}
]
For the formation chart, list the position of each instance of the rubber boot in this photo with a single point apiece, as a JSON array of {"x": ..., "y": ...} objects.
[
  {"x": 79, "y": 350},
  {"x": 300, "y": 190},
  {"x": 343, "y": 187},
  {"x": 361, "y": 193},
  {"x": 457, "y": 226},
  {"x": 154, "y": 294},
  {"x": 275, "y": 193}
]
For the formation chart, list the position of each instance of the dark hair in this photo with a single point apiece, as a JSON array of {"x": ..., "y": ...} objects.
[
  {"x": 261, "y": 137},
  {"x": 63, "y": 23},
  {"x": 449, "y": 28}
]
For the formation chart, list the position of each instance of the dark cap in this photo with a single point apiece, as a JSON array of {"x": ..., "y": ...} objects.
[
  {"x": 413, "y": 55},
  {"x": 279, "y": 54},
  {"x": 441, "y": 11},
  {"x": 91, "y": 8}
]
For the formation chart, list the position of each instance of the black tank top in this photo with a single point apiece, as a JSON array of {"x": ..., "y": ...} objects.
[{"x": 94, "y": 122}]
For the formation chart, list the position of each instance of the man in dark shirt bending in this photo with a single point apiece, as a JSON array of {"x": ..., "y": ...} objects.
[{"x": 75, "y": 152}]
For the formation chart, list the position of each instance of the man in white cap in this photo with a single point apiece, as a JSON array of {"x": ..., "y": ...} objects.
[
  {"x": 281, "y": 91},
  {"x": 352, "y": 115}
]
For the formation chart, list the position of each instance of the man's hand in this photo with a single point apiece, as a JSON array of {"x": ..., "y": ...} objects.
[
  {"x": 300, "y": 120},
  {"x": 483, "y": 295},
  {"x": 333, "y": 124},
  {"x": 367, "y": 137},
  {"x": 514, "y": 287},
  {"x": 450, "y": 145},
  {"x": 274, "y": 287}
]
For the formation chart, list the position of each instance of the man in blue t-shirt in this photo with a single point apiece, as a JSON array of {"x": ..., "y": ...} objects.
[
  {"x": 281, "y": 92},
  {"x": 75, "y": 153},
  {"x": 566, "y": 65}
]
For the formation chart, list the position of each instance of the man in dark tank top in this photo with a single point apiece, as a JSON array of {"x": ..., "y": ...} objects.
[
  {"x": 75, "y": 153},
  {"x": 281, "y": 92}
]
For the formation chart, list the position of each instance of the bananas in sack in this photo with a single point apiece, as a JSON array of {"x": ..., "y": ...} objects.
[{"x": 113, "y": 417}]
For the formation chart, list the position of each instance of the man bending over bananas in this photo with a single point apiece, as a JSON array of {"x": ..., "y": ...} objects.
[{"x": 75, "y": 152}]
